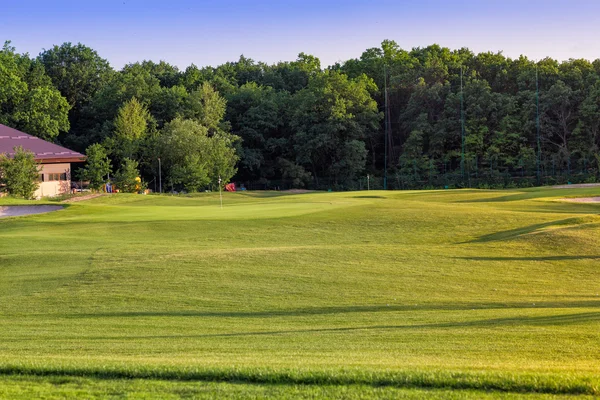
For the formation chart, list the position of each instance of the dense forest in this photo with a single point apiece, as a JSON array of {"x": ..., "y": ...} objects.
[{"x": 426, "y": 117}]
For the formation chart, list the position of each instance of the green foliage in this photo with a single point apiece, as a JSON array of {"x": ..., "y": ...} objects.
[
  {"x": 19, "y": 173},
  {"x": 132, "y": 121},
  {"x": 97, "y": 166},
  {"x": 328, "y": 122},
  {"x": 207, "y": 107},
  {"x": 127, "y": 178},
  {"x": 28, "y": 101},
  {"x": 187, "y": 148},
  {"x": 130, "y": 128},
  {"x": 258, "y": 115},
  {"x": 331, "y": 120},
  {"x": 191, "y": 174},
  {"x": 76, "y": 70},
  {"x": 44, "y": 113},
  {"x": 296, "y": 173}
]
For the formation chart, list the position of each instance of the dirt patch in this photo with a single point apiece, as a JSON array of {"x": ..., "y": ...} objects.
[
  {"x": 577, "y": 186},
  {"x": 17, "y": 211},
  {"x": 584, "y": 200},
  {"x": 82, "y": 198}
]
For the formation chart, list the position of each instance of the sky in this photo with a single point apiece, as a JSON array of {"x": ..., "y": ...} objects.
[{"x": 211, "y": 32}]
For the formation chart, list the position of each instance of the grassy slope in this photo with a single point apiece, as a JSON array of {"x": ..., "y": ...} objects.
[{"x": 491, "y": 289}]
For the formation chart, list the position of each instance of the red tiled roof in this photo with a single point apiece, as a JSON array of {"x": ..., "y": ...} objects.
[{"x": 45, "y": 152}]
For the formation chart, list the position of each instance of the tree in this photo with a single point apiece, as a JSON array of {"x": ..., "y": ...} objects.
[
  {"x": 131, "y": 126},
  {"x": 258, "y": 116},
  {"x": 99, "y": 114},
  {"x": 44, "y": 113},
  {"x": 191, "y": 174},
  {"x": 560, "y": 107},
  {"x": 186, "y": 146},
  {"x": 331, "y": 119},
  {"x": 77, "y": 71},
  {"x": 296, "y": 120},
  {"x": 207, "y": 106},
  {"x": 412, "y": 160},
  {"x": 97, "y": 166},
  {"x": 127, "y": 179},
  {"x": 20, "y": 173},
  {"x": 222, "y": 157},
  {"x": 588, "y": 127},
  {"x": 28, "y": 101}
]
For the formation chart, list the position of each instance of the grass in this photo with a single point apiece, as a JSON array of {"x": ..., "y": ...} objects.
[
  {"x": 354, "y": 295},
  {"x": 26, "y": 387}
]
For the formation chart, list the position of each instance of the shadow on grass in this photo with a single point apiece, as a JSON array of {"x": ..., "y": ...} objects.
[
  {"x": 342, "y": 310},
  {"x": 505, "y": 198},
  {"x": 547, "y": 258},
  {"x": 519, "y": 383},
  {"x": 552, "y": 320},
  {"x": 552, "y": 208},
  {"x": 516, "y": 233}
]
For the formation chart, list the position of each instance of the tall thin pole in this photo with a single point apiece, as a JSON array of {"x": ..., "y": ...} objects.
[
  {"x": 159, "y": 177},
  {"x": 462, "y": 125},
  {"x": 220, "y": 193},
  {"x": 537, "y": 124},
  {"x": 386, "y": 129}
]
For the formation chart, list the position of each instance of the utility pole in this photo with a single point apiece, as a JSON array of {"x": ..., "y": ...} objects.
[
  {"x": 462, "y": 126},
  {"x": 220, "y": 194},
  {"x": 159, "y": 177},
  {"x": 386, "y": 128},
  {"x": 537, "y": 125}
]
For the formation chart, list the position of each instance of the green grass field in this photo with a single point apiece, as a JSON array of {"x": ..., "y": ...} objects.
[{"x": 443, "y": 294}]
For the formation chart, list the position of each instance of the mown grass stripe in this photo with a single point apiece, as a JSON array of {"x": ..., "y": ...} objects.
[{"x": 482, "y": 381}]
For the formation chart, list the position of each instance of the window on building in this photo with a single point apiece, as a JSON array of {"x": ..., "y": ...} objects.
[
  {"x": 41, "y": 177},
  {"x": 57, "y": 177}
]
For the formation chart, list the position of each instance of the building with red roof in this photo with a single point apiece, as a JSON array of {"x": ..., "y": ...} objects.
[{"x": 54, "y": 161}]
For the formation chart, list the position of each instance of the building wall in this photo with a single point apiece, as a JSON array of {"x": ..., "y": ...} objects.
[{"x": 51, "y": 187}]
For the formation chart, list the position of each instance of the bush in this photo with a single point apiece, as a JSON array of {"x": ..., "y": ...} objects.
[
  {"x": 127, "y": 178},
  {"x": 19, "y": 174},
  {"x": 97, "y": 166}
]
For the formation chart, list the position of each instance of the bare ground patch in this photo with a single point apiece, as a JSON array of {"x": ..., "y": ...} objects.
[{"x": 584, "y": 200}]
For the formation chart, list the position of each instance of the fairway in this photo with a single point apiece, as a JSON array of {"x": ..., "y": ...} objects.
[{"x": 352, "y": 294}]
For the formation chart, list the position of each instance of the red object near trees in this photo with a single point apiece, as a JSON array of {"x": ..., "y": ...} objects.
[{"x": 230, "y": 187}]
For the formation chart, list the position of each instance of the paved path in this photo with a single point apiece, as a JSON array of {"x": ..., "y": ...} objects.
[{"x": 82, "y": 198}]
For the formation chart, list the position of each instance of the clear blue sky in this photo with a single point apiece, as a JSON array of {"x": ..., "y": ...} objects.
[{"x": 211, "y": 32}]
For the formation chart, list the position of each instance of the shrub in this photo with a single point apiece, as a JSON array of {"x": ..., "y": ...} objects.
[{"x": 19, "y": 174}]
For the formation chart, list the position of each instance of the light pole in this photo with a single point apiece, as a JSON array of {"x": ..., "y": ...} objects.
[
  {"x": 387, "y": 128},
  {"x": 368, "y": 183},
  {"x": 220, "y": 194},
  {"x": 462, "y": 126},
  {"x": 537, "y": 127},
  {"x": 159, "y": 177}
]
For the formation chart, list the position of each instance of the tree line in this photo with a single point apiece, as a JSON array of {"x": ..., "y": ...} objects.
[{"x": 426, "y": 117}]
